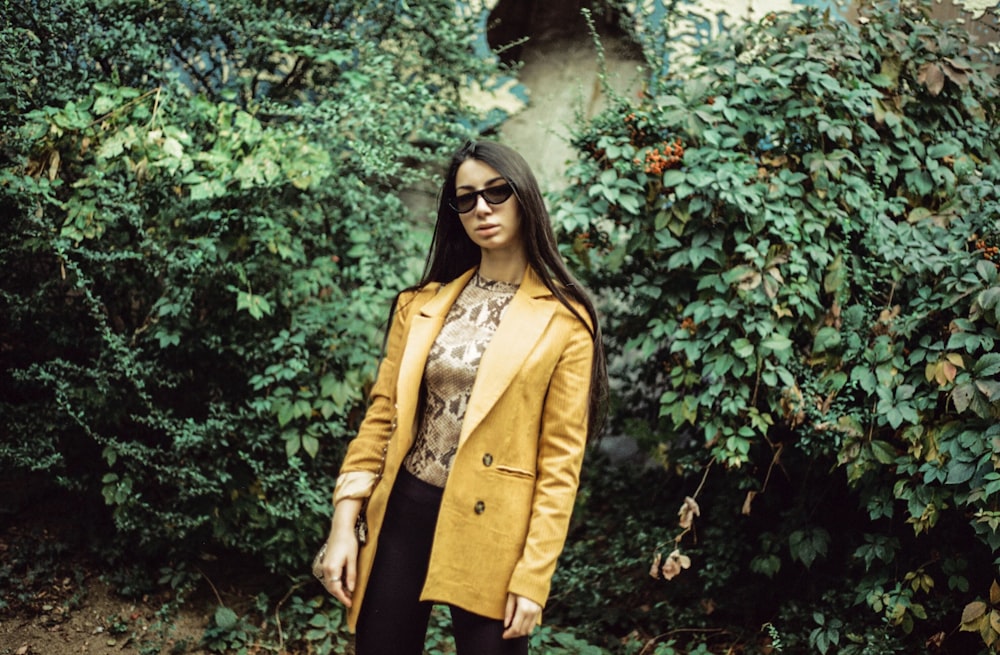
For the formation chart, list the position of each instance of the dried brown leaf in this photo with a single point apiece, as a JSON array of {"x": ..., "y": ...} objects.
[
  {"x": 832, "y": 316},
  {"x": 936, "y": 640},
  {"x": 54, "y": 160},
  {"x": 771, "y": 287},
  {"x": 689, "y": 509},
  {"x": 956, "y": 359},
  {"x": 931, "y": 76},
  {"x": 674, "y": 564},
  {"x": 774, "y": 161},
  {"x": 987, "y": 633},
  {"x": 670, "y": 569},
  {"x": 995, "y": 593},
  {"x": 889, "y": 315},
  {"x": 948, "y": 372},
  {"x": 750, "y": 280},
  {"x": 955, "y": 72},
  {"x": 748, "y": 501},
  {"x": 828, "y": 401},
  {"x": 959, "y": 64},
  {"x": 972, "y": 613}
]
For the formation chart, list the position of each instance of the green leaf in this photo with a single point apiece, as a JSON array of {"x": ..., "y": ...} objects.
[
  {"x": 777, "y": 343},
  {"x": 883, "y": 452},
  {"x": 962, "y": 395},
  {"x": 743, "y": 348},
  {"x": 959, "y": 472},
  {"x": 987, "y": 271},
  {"x": 293, "y": 442},
  {"x": 674, "y": 177},
  {"x": 256, "y": 306},
  {"x": 207, "y": 190},
  {"x": 987, "y": 366},
  {"x": 173, "y": 147},
  {"x": 310, "y": 444},
  {"x": 941, "y": 150},
  {"x": 225, "y": 618},
  {"x": 808, "y": 545},
  {"x": 826, "y": 339},
  {"x": 767, "y": 565},
  {"x": 286, "y": 413},
  {"x": 989, "y": 298},
  {"x": 115, "y": 144}
]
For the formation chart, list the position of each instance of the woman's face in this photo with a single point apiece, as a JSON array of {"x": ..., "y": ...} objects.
[{"x": 493, "y": 219}]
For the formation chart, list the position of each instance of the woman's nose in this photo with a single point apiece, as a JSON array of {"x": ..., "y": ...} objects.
[{"x": 482, "y": 206}]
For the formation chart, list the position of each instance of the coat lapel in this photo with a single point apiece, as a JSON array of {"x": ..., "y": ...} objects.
[
  {"x": 521, "y": 328},
  {"x": 424, "y": 328}
]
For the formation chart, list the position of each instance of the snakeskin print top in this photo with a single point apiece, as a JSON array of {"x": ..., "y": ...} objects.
[{"x": 451, "y": 369}]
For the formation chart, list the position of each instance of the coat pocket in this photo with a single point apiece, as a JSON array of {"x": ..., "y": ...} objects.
[{"x": 516, "y": 472}]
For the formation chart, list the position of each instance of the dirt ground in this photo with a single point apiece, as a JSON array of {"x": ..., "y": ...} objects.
[
  {"x": 97, "y": 623},
  {"x": 53, "y": 602}
]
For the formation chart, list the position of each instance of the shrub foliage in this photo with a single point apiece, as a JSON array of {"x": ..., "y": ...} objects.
[
  {"x": 797, "y": 238},
  {"x": 203, "y": 228}
]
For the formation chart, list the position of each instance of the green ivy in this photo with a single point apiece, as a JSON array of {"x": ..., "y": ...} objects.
[{"x": 797, "y": 239}]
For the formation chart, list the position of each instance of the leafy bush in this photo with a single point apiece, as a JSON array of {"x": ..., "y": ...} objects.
[
  {"x": 204, "y": 228},
  {"x": 797, "y": 240}
]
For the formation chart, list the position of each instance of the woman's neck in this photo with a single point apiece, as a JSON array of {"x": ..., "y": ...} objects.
[{"x": 503, "y": 268}]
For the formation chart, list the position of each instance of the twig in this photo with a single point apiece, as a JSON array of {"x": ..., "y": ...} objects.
[
  {"x": 277, "y": 615},
  {"x": 677, "y": 631},
  {"x": 215, "y": 591},
  {"x": 156, "y": 107},
  {"x": 704, "y": 476},
  {"x": 756, "y": 383},
  {"x": 602, "y": 63},
  {"x": 774, "y": 460},
  {"x": 117, "y": 110}
]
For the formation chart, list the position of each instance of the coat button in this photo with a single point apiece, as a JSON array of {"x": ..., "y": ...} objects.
[
  {"x": 480, "y": 507},
  {"x": 487, "y": 459}
]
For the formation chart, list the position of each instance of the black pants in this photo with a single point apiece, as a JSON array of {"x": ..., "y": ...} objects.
[{"x": 393, "y": 621}]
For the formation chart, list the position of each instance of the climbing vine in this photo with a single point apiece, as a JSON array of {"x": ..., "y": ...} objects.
[{"x": 796, "y": 239}]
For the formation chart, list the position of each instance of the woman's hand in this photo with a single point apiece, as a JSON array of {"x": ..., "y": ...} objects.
[
  {"x": 520, "y": 617},
  {"x": 340, "y": 562}
]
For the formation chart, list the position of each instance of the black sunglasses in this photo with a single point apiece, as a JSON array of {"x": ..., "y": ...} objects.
[{"x": 493, "y": 195}]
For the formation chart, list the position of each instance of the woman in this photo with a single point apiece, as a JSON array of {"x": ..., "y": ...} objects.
[{"x": 470, "y": 452}]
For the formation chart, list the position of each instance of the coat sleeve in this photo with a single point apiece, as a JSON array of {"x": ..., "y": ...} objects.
[
  {"x": 561, "y": 445},
  {"x": 365, "y": 452}
]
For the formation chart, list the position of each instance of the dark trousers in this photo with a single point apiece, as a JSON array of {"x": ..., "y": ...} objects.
[{"x": 393, "y": 620}]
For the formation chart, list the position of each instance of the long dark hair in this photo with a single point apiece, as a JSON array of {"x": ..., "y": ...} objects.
[{"x": 452, "y": 252}]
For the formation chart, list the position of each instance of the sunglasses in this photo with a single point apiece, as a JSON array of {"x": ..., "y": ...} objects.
[{"x": 493, "y": 195}]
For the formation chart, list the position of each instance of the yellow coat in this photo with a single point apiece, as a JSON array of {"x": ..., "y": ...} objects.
[{"x": 506, "y": 506}]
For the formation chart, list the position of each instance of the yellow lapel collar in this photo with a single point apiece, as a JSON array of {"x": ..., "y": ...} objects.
[
  {"x": 522, "y": 326},
  {"x": 438, "y": 306},
  {"x": 424, "y": 328}
]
